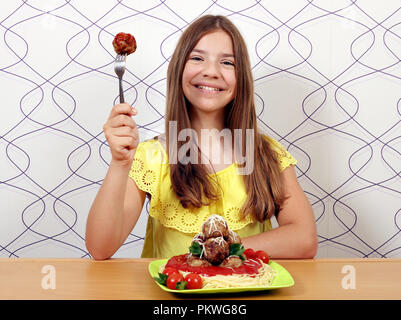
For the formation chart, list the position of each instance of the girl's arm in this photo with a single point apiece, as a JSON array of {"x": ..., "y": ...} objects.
[
  {"x": 114, "y": 213},
  {"x": 119, "y": 202},
  {"x": 296, "y": 235}
]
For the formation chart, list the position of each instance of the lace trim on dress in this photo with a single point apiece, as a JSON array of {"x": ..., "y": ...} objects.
[{"x": 173, "y": 215}]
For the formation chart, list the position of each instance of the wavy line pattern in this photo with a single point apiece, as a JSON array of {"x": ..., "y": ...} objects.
[{"x": 328, "y": 87}]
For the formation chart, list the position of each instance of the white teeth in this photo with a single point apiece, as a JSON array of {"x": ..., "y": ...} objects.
[{"x": 208, "y": 88}]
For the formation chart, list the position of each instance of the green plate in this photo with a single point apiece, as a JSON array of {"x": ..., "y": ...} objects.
[{"x": 281, "y": 280}]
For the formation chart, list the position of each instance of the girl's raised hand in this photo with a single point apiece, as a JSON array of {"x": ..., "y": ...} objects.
[{"x": 121, "y": 133}]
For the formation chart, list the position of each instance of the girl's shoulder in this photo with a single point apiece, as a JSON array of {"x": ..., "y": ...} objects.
[
  {"x": 274, "y": 144},
  {"x": 149, "y": 165},
  {"x": 284, "y": 157},
  {"x": 159, "y": 140}
]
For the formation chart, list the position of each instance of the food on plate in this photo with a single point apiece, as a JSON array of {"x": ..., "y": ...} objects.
[
  {"x": 193, "y": 280},
  {"x": 215, "y": 226},
  {"x": 199, "y": 238},
  {"x": 233, "y": 238},
  {"x": 216, "y": 259},
  {"x": 124, "y": 43},
  {"x": 173, "y": 280},
  {"x": 215, "y": 250},
  {"x": 231, "y": 262},
  {"x": 195, "y": 261}
]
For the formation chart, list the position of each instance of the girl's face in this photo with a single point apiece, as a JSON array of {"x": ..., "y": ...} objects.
[{"x": 208, "y": 79}]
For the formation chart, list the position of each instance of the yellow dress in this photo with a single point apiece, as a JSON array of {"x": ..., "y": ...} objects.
[{"x": 171, "y": 227}]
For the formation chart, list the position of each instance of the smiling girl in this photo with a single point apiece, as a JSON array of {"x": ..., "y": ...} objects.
[{"x": 209, "y": 87}]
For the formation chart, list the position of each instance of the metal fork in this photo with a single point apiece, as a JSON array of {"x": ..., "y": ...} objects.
[{"x": 119, "y": 69}]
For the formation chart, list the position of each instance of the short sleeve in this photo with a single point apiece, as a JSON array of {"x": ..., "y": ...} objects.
[
  {"x": 147, "y": 166},
  {"x": 284, "y": 158}
]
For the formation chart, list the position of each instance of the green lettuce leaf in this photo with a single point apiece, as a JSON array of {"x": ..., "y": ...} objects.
[{"x": 195, "y": 249}]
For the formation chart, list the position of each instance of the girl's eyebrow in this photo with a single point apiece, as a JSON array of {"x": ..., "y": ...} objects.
[{"x": 224, "y": 55}]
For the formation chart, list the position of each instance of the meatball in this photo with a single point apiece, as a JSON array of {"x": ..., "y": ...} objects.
[
  {"x": 199, "y": 238},
  {"x": 231, "y": 262},
  {"x": 124, "y": 43},
  {"x": 215, "y": 226},
  {"x": 195, "y": 261},
  {"x": 216, "y": 250},
  {"x": 233, "y": 238}
]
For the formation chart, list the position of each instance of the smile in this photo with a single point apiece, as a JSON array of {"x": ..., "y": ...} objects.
[{"x": 206, "y": 88}]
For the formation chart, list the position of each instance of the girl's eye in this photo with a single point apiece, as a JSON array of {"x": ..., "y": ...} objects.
[
  {"x": 195, "y": 58},
  {"x": 228, "y": 63}
]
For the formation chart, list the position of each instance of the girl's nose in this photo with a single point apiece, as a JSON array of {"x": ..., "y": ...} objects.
[{"x": 211, "y": 70}]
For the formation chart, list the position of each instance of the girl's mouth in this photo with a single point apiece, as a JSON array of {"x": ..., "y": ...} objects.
[{"x": 207, "y": 88}]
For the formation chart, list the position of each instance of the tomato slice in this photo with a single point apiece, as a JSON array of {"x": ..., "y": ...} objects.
[{"x": 194, "y": 281}]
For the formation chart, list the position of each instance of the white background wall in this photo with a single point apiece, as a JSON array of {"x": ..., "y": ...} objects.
[{"x": 328, "y": 87}]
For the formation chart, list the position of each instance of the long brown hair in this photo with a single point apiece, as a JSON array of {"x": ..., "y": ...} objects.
[{"x": 191, "y": 182}]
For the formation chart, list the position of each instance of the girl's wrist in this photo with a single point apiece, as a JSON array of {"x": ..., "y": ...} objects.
[{"x": 120, "y": 165}]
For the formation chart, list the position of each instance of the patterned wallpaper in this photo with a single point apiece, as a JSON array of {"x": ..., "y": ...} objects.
[{"x": 328, "y": 87}]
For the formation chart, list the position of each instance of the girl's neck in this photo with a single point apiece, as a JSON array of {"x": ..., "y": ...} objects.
[
  {"x": 215, "y": 150},
  {"x": 210, "y": 121}
]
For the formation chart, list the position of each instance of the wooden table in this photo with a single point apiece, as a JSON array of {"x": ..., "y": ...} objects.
[{"x": 129, "y": 279}]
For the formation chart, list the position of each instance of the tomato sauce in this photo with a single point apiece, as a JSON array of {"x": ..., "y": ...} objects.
[{"x": 249, "y": 266}]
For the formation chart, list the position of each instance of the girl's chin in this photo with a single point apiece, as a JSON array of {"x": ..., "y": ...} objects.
[{"x": 208, "y": 108}]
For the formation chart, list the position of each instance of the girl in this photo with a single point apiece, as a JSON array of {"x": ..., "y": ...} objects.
[{"x": 209, "y": 86}]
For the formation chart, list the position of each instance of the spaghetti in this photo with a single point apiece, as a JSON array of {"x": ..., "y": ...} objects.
[{"x": 264, "y": 277}]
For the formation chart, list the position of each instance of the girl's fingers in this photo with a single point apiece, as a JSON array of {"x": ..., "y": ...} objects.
[
  {"x": 122, "y": 120},
  {"x": 122, "y": 154},
  {"x": 123, "y": 108},
  {"x": 121, "y": 131},
  {"x": 124, "y": 143},
  {"x": 124, "y": 131},
  {"x": 121, "y": 147}
]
